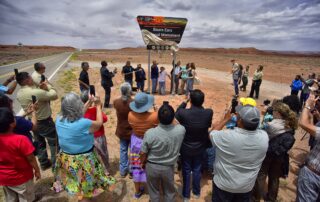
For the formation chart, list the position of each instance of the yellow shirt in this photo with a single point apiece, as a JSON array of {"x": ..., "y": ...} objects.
[{"x": 44, "y": 97}]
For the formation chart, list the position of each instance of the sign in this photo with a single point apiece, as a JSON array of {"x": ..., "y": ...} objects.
[
  {"x": 166, "y": 28},
  {"x": 158, "y": 47}
]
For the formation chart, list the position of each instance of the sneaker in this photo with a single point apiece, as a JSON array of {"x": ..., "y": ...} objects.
[
  {"x": 196, "y": 196},
  {"x": 138, "y": 195}
]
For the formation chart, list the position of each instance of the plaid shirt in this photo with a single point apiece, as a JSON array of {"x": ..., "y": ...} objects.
[{"x": 314, "y": 156}]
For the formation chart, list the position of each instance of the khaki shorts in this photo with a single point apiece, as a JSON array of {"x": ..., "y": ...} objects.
[{"x": 21, "y": 193}]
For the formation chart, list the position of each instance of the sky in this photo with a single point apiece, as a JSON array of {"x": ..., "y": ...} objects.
[{"x": 268, "y": 25}]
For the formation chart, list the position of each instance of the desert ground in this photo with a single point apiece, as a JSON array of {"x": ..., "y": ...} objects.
[
  {"x": 11, "y": 53},
  {"x": 213, "y": 67}
]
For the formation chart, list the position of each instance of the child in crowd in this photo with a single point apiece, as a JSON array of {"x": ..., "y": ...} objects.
[
  {"x": 100, "y": 142},
  {"x": 245, "y": 78},
  {"x": 17, "y": 162},
  {"x": 296, "y": 85},
  {"x": 162, "y": 81}
]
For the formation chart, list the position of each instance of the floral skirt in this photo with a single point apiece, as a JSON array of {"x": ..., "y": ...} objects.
[
  {"x": 80, "y": 175},
  {"x": 138, "y": 174}
]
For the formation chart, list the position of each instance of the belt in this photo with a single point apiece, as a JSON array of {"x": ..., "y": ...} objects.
[
  {"x": 90, "y": 150},
  {"x": 313, "y": 169},
  {"x": 44, "y": 120}
]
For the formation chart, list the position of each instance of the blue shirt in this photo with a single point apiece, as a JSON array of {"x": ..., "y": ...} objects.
[
  {"x": 154, "y": 72},
  {"x": 74, "y": 137},
  {"x": 23, "y": 127}
]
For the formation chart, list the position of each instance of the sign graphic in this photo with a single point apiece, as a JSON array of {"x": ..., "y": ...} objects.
[{"x": 166, "y": 28}]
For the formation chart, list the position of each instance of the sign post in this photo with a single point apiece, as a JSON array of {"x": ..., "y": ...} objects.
[{"x": 162, "y": 34}]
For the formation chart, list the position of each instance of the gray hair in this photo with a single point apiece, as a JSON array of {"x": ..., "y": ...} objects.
[
  {"x": 71, "y": 107},
  {"x": 125, "y": 89},
  {"x": 84, "y": 96}
]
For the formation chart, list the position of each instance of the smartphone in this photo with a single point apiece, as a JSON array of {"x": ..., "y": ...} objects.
[
  {"x": 16, "y": 72},
  {"x": 92, "y": 90},
  {"x": 34, "y": 99},
  {"x": 43, "y": 78}
]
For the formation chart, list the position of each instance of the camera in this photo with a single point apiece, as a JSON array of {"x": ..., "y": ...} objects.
[
  {"x": 234, "y": 104},
  {"x": 266, "y": 102}
]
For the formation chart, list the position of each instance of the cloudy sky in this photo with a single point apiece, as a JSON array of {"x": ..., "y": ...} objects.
[{"x": 267, "y": 24}]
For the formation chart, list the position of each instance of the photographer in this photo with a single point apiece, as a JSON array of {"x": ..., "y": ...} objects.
[
  {"x": 8, "y": 90},
  {"x": 106, "y": 81},
  {"x": 309, "y": 176},
  {"x": 245, "y": 148}
]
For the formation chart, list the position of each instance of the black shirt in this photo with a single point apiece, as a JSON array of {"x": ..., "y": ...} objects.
[
  {"x": 106, "y": 77},
  {"x": 84, "y": 77},
  {"x": 197, "y": 122},
  {"x": 128, "y": 72}
]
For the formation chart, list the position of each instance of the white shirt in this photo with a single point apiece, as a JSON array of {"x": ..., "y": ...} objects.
[
  {"x": 239, "y": 155},
  {"x": 177, "y": 70},
  {"x": 162, "y": 76},
  {"x": 36, "y": 77}
]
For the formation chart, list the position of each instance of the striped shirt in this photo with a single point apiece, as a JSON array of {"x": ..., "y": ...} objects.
[{"x": 313, "y": 159}]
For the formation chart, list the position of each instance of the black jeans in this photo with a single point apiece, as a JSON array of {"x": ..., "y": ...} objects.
[
  {"x": 255, "y": 87},
  {"x": 244, "y": 83},
  {"x": 46, "y": 131},
  {"x": 218, "y": 195},
  {"x": 107, "y": 96}
]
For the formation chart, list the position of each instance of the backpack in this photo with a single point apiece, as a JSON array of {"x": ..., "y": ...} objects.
[{"x": 296, "y": 85}]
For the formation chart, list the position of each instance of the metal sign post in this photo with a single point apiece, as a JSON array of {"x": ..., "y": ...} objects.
[
  {"x": 173, "y": 76},
  {"x": 149, "y": 72}
]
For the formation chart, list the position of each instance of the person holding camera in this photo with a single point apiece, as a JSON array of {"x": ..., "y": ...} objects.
[
  {"x": 159, "y": 153},
  {"x": 308, "y": 187},
  {"x": 106, "y": 81},
  {"x": 78, "y": 170},
  {"x": 197, "y": 121},
  {"x": 4, "y": 86},
  {"x": 45, "y": 126},
  {"x": 239, "y": 154}
]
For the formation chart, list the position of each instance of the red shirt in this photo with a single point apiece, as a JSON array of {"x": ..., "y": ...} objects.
[
  {"x": 91, "y": 114},
  {"x": 14, "y": 166}
]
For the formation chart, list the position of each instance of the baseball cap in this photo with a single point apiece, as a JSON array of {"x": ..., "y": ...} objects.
[
  {"x": 248, "y": 101},
  {"x": 249, "y": 115}
]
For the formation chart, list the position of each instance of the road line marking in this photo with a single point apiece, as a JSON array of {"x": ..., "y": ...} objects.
[
  {"x": 30, "y": 60},
  {"x": 21, "y": 112},
  {"x": 22, "y": 69},
  {"x": 52, "y": 75}
]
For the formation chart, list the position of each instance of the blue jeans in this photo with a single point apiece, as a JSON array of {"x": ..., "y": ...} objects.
[
  {"x": 308, "y": 187},
  {"x": 189, "y": 86},
  {"x": 210, "y": 156},
  {"x": 191, "y": 164},
  {"x": 218, "y": 195},
  {"x": 124, "y": 161},
  {"x": 162, "y": 87},
  {"x": 236, "y": 87},
  {"x": 140, "y": 85},
  {"x": 154, "y": 85}
]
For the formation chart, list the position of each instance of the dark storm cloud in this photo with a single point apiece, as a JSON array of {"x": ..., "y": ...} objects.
[{"x": 269, "y": 24}]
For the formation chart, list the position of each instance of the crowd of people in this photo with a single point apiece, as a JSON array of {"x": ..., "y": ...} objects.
[
  {"x": 239, "y": 74},
  {"x": 153, "y": 141}
]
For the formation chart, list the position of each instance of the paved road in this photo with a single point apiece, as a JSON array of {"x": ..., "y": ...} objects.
[{"x": 52, "y": 63}]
